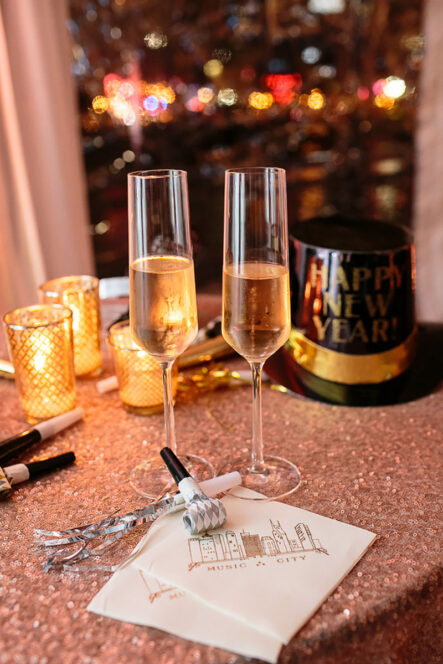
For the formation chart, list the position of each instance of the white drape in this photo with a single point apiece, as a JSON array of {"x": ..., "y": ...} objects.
[
  {"x": 43, "y": 205},
  {"x": 429, "y": 169}
]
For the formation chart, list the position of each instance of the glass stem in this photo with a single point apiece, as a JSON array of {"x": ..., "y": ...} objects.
[
  {"x": 168, "y": 405},
  {"x": 257, "y": 463}
]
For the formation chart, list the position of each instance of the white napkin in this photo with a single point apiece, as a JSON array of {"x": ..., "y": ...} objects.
[
  {"x": 133, "y": 596},
  {"x": 271, "y": 566},
  {"x": 247, "y": 587}
]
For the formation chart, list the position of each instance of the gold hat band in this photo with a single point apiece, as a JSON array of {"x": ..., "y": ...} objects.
[{"x": 351, "y": 369}]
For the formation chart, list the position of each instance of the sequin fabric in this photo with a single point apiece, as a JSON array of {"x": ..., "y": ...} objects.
[{"x": 377, "y": 468}]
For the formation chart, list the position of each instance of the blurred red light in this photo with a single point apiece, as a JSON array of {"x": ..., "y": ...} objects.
[
  {"x": 111, "y": 84},
  {"x": 363, "y": 93},
  {"x": 195, "y": 105},
  {"x": 378, "y": 86},
  {"x": 284, "y": 86}
]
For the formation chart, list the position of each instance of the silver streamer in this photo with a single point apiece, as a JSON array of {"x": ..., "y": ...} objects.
[
  {"x": 77, "y": 544},
  {"x": 84, "y": 537}
]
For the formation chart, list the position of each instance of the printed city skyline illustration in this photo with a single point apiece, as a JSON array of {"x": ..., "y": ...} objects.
[{"x": 231, "y": 545}]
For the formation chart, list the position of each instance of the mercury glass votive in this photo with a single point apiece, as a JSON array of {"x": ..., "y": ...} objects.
[
  {"x": 40, "y": 345},
  {"x": 81, "y": 295},
  {"x": 139, "y": 375}
]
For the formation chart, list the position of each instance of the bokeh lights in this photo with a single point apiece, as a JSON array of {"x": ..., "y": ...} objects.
[
  {"x": 210, "y": 86},
  {"x": 127, "y": 99},
  {"x": 260, "y": 100}
]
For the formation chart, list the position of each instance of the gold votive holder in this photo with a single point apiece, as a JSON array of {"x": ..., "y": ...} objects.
[
  {"x": 139, "y": 375},
  {"x": 81, "y": 295},
  {"x": 40, "y": 345}
]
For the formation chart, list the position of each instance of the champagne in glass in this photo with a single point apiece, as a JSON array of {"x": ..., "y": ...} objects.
[
  {"x": 163, "y": 304},
  {"x": 256, "y": 303},
  {"x": 163, "y": 309},
  {"x": 256, "y": 319}
]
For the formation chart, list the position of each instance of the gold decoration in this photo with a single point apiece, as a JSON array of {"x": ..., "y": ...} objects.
[{"x": 205, "y": 351}]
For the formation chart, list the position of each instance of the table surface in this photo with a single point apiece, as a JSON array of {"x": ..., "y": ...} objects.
[{"x": 376, "y": 468}]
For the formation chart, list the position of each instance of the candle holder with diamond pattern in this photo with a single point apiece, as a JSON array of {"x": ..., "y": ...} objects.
[
  {"x": 81, "y": 295},
  {"x": 40, "y": 345},
  {"x": 139, "y": 375}
]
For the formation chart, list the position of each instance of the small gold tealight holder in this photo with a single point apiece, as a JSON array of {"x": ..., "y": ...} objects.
[
  {"x": 40, "y": 346},
  {"x": 139, "y": 375},
  {"x": 81, "y": 295}
]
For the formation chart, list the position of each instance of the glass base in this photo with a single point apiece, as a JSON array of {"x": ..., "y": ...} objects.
[
  {"x": 278, "y": 479},
  {"x": 143, "y": 410},
  {"x": 152, "y": 480}
]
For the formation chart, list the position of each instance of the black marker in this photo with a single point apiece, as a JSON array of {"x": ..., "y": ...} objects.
[
  {"x": 21, "y": 472},
  {"x": 12, "y": 447}
]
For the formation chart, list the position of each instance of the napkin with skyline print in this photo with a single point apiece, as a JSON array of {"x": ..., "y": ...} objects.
[{"x": 248, "y": 587}]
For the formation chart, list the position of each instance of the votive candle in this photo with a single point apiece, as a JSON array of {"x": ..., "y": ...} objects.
[
  {"x": 41, "y": 349},
  {"x": 139, "y": 375},
  {"x": 81, "y": 295}
]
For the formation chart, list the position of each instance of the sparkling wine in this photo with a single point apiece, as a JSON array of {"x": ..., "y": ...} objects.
[
  {"x": 163, "y": 305},
  {"x": 256, "y": 308}
]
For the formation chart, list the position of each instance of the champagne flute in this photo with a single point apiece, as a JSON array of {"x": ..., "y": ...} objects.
[
  {"x": 163, "y": 309},
  {"x": 256, "y": 303}
]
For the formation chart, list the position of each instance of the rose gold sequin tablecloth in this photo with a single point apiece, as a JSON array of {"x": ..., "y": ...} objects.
[{"x": 377, "y": 468}]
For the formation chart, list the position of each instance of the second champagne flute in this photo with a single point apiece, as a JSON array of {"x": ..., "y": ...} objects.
[
  {"x": 163, "y": 309},
  {"x": 256, "y": 305}
]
